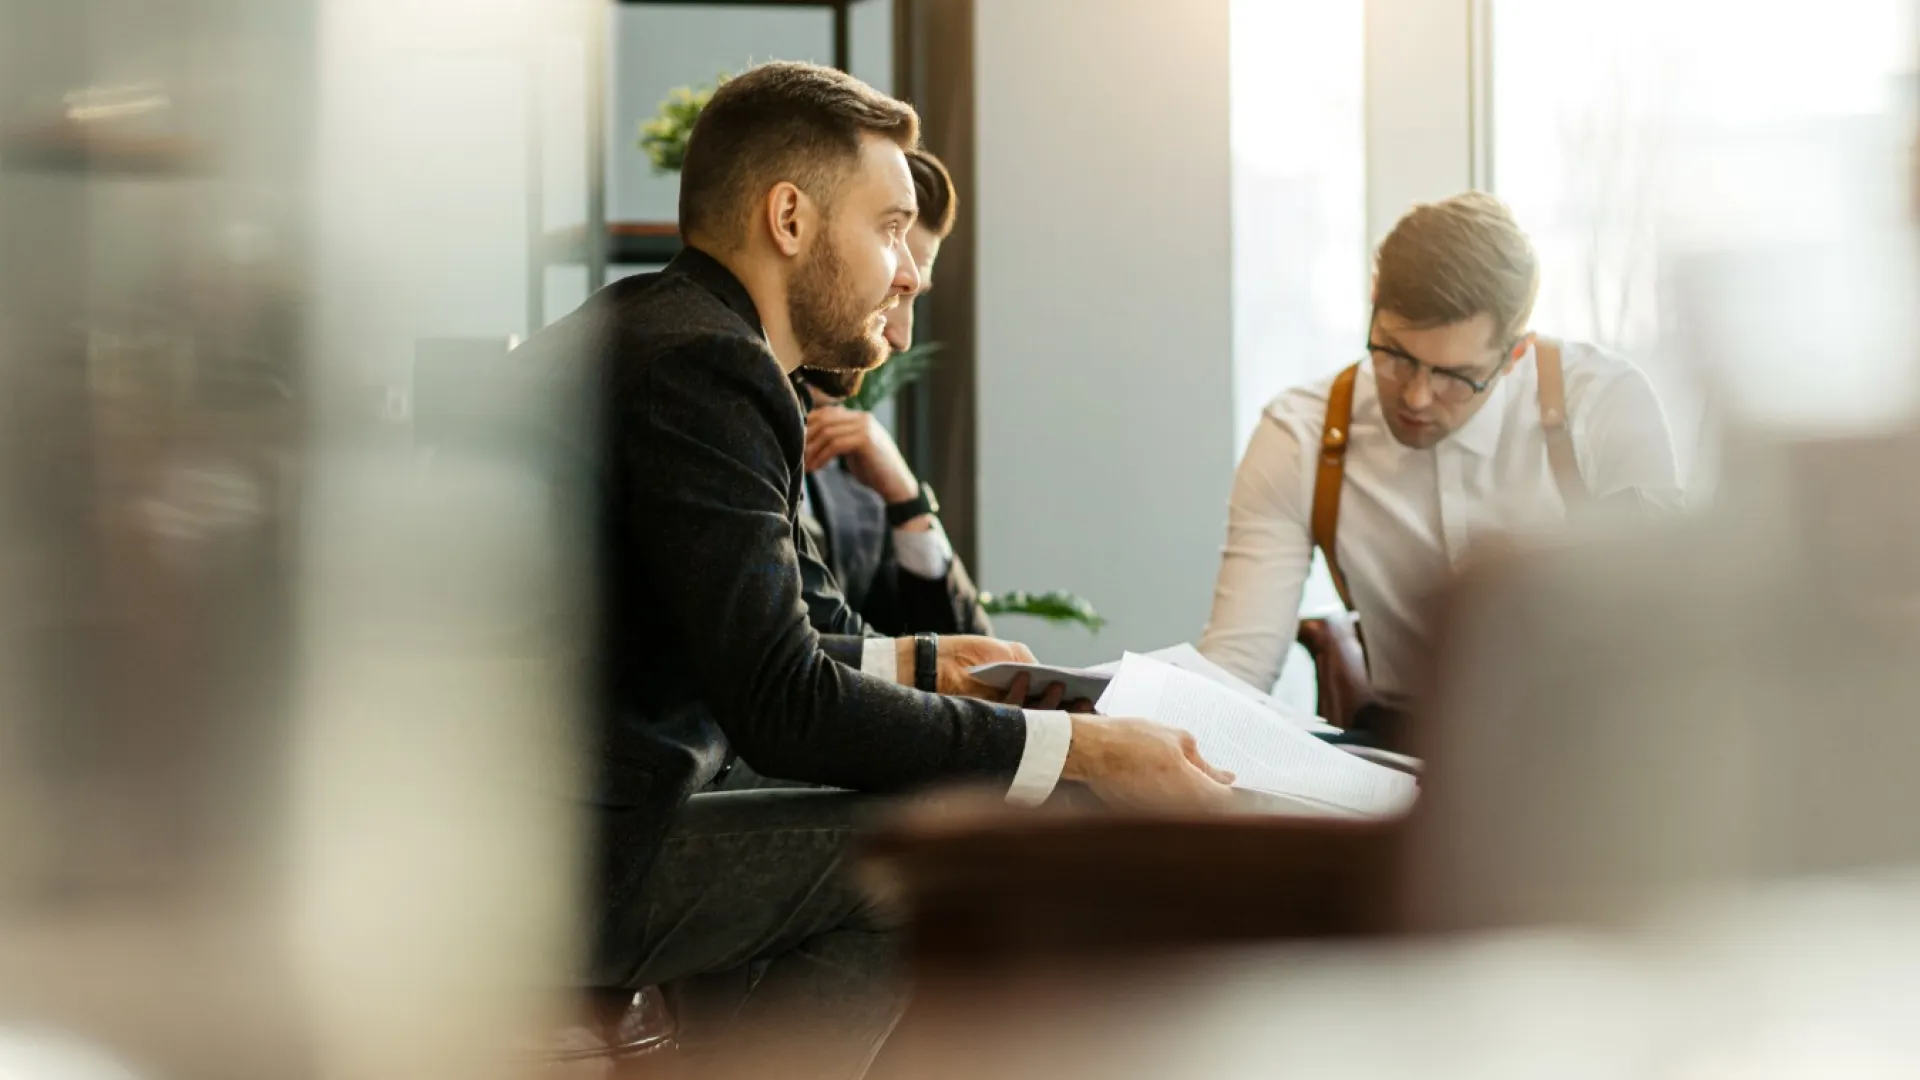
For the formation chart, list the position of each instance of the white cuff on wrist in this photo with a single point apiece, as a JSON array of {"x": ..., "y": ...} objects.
[
  {"x": 1049, "y": 737},
  {"x": 879, "y": 659}
]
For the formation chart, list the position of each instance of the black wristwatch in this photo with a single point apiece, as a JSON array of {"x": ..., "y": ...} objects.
[
  {"x": 926, "y": 662},
  {"x": 923, "y": 502}
]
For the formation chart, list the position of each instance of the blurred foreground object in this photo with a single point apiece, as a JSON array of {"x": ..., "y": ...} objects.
[
  {"x": 1133, "y": 948},
  {"x": 150, "y": 351},
  {"x": 1719, "y": 702},
  {"x": 1796, "y": 982},
  {"x": 991, "y": 888},
  {"x": 282, "y": 781}
]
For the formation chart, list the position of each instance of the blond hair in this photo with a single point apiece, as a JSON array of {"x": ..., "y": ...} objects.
[{"x": 1446, "y": 262}]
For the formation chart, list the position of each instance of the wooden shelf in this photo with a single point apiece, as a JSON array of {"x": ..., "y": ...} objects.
[{"x": 629, "y": 243}]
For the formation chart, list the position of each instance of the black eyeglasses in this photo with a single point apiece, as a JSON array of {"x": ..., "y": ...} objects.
[{"x": 1446, "y": 384}]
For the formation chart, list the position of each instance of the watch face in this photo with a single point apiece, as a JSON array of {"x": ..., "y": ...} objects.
[{"x": 933, "y": 502}]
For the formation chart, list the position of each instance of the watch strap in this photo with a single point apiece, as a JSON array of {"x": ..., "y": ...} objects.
[
  {"x": 926, "y": 662},
  {"x": 923, "y": 502}
]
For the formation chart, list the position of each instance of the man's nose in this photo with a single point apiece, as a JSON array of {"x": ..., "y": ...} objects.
[
  {"x": 906, "y": 277},
  {"x": 1418, "y": 393}
]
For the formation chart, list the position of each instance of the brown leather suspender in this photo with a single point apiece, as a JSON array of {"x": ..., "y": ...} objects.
[
  {"x": 1553, "y": 423},
  {"x": 1336, "y": 433},
  {"x": 1333, "y": 473}
]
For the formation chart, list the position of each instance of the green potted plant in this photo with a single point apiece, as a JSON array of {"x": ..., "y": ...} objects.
[
  {"x": 664, "y": 138},
  {"x": 1055, "y": 606}
]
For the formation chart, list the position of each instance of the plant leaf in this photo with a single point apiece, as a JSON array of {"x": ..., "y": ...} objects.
[
  {"x": 664, "y": 135},
  {"x": 901, "y": 370},
  {"x": 1054, "y": 606}
]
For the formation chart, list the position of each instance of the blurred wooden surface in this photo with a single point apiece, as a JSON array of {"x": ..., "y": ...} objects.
[{"x": 989, "y": 888}]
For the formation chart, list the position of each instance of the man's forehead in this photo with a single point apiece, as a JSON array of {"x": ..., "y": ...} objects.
[
  {"x": 1479, "y": 329},
  {"x": 885, "y": 164}
]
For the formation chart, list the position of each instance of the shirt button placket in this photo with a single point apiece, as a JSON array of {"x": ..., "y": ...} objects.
[{"x": 1453, "y": 503}]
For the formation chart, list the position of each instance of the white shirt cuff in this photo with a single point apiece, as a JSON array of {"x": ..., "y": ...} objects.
[
  {"x": 926, "y": 554},
  {"x": 879, "y": 659},
  {"x": 1049, "y": 735}
]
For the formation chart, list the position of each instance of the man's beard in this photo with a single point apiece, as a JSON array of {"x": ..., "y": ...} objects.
[
  {"x": 838, "y": 384},
  {"x": 835, "y": 329}
]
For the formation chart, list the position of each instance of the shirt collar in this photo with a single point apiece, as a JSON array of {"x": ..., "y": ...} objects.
[
  {"x": 712, "y": 275},
  {"x": 1481, "y": 435}
]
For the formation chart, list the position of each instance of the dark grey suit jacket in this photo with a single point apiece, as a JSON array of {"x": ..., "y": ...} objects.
[
  {"x": 685, "y": 449},
  {"x": 857, "y": 546}
]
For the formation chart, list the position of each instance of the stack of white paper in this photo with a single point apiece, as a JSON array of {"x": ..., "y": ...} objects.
[
  {"x": 1265, "y": 753},
  {"x": 1090, "y": 683}
]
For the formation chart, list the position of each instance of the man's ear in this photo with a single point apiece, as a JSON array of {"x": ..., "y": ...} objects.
[
  {"x": 788, "y": 218},
  {"x": 1519, "y": 350}
]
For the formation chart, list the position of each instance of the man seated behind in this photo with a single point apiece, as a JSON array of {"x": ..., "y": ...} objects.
[
  {"x": 872, "y": 519},
  {"x": 1460, "y": 422},
  {"x": 795, "y": 206}
]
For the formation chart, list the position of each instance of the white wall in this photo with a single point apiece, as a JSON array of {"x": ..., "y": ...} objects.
[{"x": 1106, "y": 350}]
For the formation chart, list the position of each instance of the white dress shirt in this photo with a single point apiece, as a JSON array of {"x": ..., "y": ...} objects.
[
  {"x": 1408, "y": 517},
  {"x": 1049, "y": 733},
  {"x": 925, "y": 553}
]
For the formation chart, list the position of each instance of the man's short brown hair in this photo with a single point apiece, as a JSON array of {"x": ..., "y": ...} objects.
[
  {"x": 800, "y": 123},
  {"x": 933, "y": 189},
  {"x": 1448, "y": 261}
]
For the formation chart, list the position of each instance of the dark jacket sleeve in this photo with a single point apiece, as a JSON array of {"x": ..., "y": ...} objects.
[
  {"x": 827, "y": 607},
  {"x": 709, "y": 436},
  {"x": 844, "y": 648},
  {"x": 902, "y": 602}
]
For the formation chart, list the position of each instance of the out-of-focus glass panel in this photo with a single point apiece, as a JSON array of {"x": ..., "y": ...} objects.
[
  {"x": 1640, "y": 140},
  {"x": 1300, "y": 261},
  {"x": 1299, "y": 196}
]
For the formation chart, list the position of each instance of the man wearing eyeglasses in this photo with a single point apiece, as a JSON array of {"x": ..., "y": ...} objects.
[{"x": 1461, "y": 422}]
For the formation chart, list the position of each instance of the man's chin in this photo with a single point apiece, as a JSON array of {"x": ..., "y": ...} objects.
[
  {"x": 1416, "y": 437},
  {"x": 878, "y": 350},
  {"x": 837, "y": 385},
  {"x": 869, "y": 354}
]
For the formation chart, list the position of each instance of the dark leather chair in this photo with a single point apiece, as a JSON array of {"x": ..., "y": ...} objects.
[
  {"x": 1340, "y": 665},
  {"x": 616, "y": 1034}
]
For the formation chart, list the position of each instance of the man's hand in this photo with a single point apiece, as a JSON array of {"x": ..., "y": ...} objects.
[
  {"x": 960, "y": 653},
  {"x": 1020, "y": 692},
  {"x": 1134, "y": 763},
  {"x": 834, "y": 431}
]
